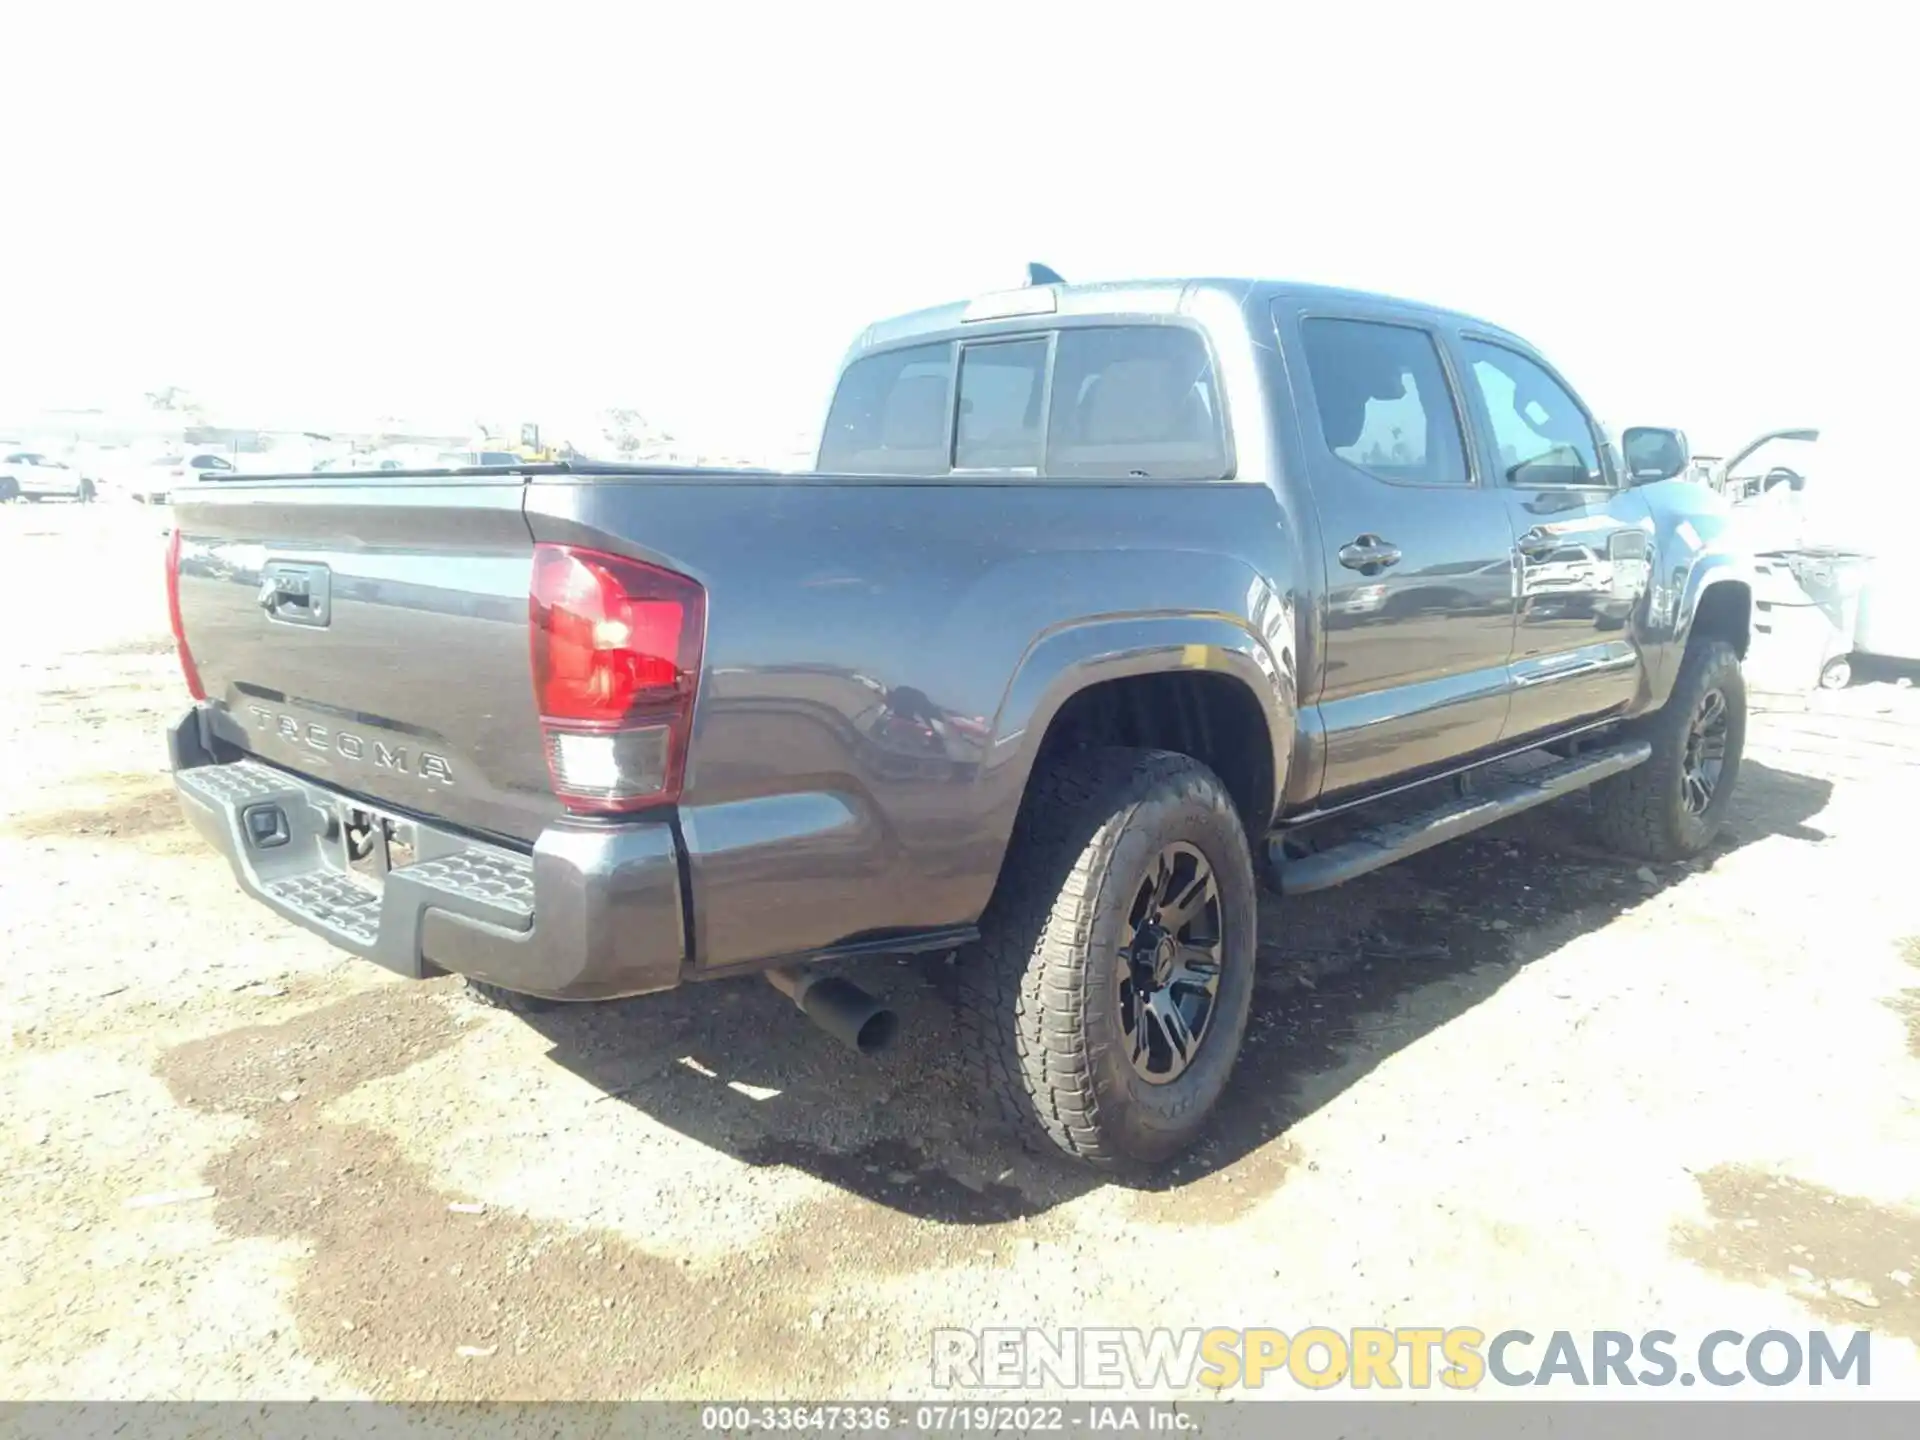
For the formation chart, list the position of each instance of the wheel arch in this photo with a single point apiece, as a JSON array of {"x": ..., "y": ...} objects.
[
  {"x": 1723, "y": 609},
  {"x": 1715, "y": 599},
  {"x": 1200, "y": 685}
]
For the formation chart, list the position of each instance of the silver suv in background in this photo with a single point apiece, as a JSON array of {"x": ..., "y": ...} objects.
[{"x": 155, "y": 482}]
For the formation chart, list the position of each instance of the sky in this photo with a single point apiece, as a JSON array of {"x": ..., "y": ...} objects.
[{"x": 1702, "y": 214}]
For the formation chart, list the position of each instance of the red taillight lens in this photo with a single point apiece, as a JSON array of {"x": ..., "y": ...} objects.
[
  {"x": 616, "y": 660},
  {"x": 187, "y": 667}
]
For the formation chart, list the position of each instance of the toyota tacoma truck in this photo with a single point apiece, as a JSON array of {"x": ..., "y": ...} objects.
[{"x": 1102, "y": 605}]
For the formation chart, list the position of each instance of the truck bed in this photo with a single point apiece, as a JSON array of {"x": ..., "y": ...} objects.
[{"x": 862, "y": 731}]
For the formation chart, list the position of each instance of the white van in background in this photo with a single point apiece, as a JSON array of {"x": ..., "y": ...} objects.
[{"x": 1826, "y": 498}]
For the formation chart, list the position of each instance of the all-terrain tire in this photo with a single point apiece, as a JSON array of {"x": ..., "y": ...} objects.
[
  {"x": 1643, "y": 812},
  {"x": 495, "y": 998},
  {"x": 1039, "y": 998}
]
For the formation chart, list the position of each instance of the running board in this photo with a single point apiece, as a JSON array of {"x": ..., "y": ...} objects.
[{"x": 1494, "y": 799}]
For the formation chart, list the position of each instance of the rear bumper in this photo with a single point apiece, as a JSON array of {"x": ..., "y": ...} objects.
[{"x": 593, "y": 913}]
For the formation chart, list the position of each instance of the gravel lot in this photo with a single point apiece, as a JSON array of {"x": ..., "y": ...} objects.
[{"x": 1511, "y": 1083}]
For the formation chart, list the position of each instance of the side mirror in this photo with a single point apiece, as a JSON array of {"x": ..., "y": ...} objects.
[{"x": 1653, "y": 454}]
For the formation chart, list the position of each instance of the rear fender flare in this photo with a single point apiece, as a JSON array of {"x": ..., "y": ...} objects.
[{"x": 1065, "y": 661}]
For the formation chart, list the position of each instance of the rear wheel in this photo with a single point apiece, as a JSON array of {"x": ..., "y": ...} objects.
[
  {"x": 1109, "y": 998},
  {"x": 1671, "y": 807},
  {"x": 1837, "y": 673}
]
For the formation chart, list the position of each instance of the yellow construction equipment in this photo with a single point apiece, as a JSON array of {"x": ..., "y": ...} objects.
[{"x": 528, "y": 447}]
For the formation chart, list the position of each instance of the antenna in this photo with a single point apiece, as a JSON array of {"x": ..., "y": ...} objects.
[{"x": 1038, "y": 274}]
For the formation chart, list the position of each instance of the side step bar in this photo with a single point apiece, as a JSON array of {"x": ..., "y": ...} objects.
[{"x": 1493, "y": 800}]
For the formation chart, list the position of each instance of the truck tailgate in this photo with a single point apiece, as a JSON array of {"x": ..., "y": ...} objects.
[{"x": 372, "y": 634}]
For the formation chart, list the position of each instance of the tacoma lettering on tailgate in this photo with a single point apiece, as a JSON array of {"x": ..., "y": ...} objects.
[{"x": 348, "y": 746}]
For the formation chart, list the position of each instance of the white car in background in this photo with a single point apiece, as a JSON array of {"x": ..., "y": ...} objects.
[
  {"x": 1845, "y": 512},
  {"x": 31, "y": 475},
  {"x": 154, "y": 482}
]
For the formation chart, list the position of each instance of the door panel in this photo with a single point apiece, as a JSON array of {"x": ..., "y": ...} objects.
[
  {"x": 1584, "y": 564},
  {"x": 1419, "y": 611},
  {"x": 1581, "y": 544}
]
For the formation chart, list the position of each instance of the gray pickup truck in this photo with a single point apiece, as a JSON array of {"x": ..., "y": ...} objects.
[{"x": 1103, "y": 604}]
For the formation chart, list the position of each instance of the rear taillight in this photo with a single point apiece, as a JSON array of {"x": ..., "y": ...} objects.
[
  {"x": 616, "y": 660},
  {"x": 187, "y": 667}
]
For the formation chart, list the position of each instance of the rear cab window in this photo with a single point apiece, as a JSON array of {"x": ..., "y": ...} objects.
[
  {"x": 890, "y": 414},
  {"x": 1135, "y": 401},
  {"x": 1002, "y": 420},
  {"x": 1121, "y": 401}
]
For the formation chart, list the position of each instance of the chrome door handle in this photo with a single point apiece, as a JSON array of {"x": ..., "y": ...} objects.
[
  {"x": 296, "y": 594},
  {"x": 1369, "y": 553}
]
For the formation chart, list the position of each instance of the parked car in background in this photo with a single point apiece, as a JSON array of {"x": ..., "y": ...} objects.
[
  {"x": 30, "y": 475},
  {"x": 359, "y": 461},
  {"x": 411, "y": 457},
  {"x": 1828, "y": 513},
  {"x": 155, "y": 482}
]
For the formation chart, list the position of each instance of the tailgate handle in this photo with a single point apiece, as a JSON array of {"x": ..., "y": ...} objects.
[{"x": 296, "y": 594}]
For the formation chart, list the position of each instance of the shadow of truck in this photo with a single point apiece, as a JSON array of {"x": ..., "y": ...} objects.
[{"x": 734, "y": 1067}]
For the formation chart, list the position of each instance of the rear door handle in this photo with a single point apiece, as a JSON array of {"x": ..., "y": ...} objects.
[{"x": 1369, "y": 553}]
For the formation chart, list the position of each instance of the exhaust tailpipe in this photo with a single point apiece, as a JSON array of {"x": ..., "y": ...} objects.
[{"x": 839, "y": 1007}]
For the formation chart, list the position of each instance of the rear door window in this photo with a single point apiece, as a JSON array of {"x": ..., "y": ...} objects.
[
  {"x": 1383, "y": 401},
  {"x": 1002, "y": 406},
  {"x": 1135, "y": 401},
  {"x": 889, "y": 414}
]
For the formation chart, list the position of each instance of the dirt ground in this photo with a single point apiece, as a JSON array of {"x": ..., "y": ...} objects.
[{"x": 1514, "y": 1082}]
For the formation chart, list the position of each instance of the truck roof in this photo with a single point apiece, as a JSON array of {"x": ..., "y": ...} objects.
[{"x": 1134, "y": 297}]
